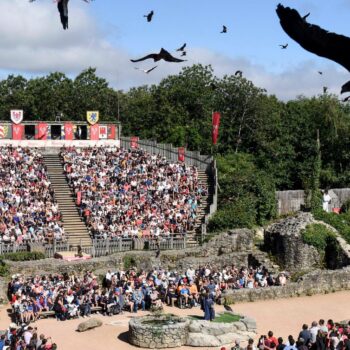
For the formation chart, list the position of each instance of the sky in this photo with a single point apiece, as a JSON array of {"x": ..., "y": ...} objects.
[{"x": 106, "y": 34}]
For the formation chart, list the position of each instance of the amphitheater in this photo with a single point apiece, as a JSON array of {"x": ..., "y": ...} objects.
[{"x": 316, "y": 288}]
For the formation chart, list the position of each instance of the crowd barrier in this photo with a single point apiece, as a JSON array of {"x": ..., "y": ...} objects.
[{"x": 99, "y": 247}]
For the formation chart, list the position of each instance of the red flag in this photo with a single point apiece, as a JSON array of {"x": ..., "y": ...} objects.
[
  {"x": 215, "y": 129},
  {"x": 134, "y": 142},
  {"x": 111, "y": 132},
  {"x": 181, "y": 154},
  {"x": 68, "y": 131},
  {"x": 94, "y": 132},
  {"x": 78, "y": 201},
  {"x": 17, "y": 131},
  {"x": 42, "y": 131}
]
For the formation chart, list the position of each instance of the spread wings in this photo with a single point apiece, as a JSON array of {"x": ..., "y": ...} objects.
[{"x": 313, "y": 38}]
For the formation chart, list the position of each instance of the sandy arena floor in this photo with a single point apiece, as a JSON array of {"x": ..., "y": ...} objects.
[{"x": 283, "y": 317}]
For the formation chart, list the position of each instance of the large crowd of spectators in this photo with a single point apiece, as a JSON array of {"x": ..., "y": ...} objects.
[
  {"x": 319, "y": 335},
  {"x": 72, "y": 296},
  {"x": 131, "y": 193},
  {"x": 28, "y": 210},
  {"x": 25, "y": 337}
]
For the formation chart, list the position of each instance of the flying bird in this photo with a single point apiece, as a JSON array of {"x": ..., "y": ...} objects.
[
  {"x": 325, "y": 88},
  {"x": 182, "y": 48},
  {"x": 162, "y": 55},
  {"x": 238, "y": 72},
  {"x": 224, "y": 29},
  {"x": 313, "y": 38},
  {"x": 147, "y": 70},
  {"x": 346, "y": 99},
  {"x": 184, "y": 53},
  {"x": 320, "y": 73},
  {"x": 62, "y": 6},
  {"x": 284, "y": 46},
  {"x": 149, "y": 16}
]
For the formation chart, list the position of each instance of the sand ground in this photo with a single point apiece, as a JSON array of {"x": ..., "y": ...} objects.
[{"x": 283, "y": 317}]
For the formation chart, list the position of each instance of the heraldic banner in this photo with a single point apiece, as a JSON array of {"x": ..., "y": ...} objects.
[
  {"x": 17, "y": 131},
  {"x": 42, "y": 130},
  {"x": 68, "y": 131}
]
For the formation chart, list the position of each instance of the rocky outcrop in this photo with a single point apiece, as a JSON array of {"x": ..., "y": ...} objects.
[
  {"x": 89, "y": 324},
  {"x": 208, "y": 334},
  {"x": 283, "y": 239}
]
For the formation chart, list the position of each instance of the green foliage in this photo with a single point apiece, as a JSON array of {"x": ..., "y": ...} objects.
[
  {"x": 247, "y": 194},
  {"x": 341, "y": 222},
  {"x": 226, "y": 317},
  {"x": 128, "y": 261},
  {"x": 23, "y": 256},
  {"x": 317, "y": 235},
  {"x": 4, "y": 269}
]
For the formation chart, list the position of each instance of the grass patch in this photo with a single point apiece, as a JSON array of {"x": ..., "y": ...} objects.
[
  {"x": 341, "y": 222},
  {"x": 23, "y": 256},
  {"x": 317, "y": 235},
  {"x": 227, "y": 317}
]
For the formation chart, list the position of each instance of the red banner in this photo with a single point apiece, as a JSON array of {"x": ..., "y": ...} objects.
[
  {"x": 94, "y": 132},
  {"x": 78, "y": 201},
  {"x": 215, "y": 129},
  {"x": 134, "y": 142},
  {"x": 68, "y": 131},
  {"x": 41, "y": 132},
  {"x": 111, "y": 132},
  {"x": 181, "y": 154},
  {"x": 17, "y": 131}
]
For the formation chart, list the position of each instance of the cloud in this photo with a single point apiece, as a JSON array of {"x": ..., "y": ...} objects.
[{"x": 33, "y": 43}]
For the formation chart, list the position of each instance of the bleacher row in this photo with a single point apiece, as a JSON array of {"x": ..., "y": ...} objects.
[{"x": 119, "y": 194}]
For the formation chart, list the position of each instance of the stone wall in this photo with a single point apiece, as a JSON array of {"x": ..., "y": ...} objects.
[
  {"x": 231, "y": 247},
  {"x": 316, "y": 282},
  {"x": 283, "y": 239},
  {"x": 293, "y": 201}
]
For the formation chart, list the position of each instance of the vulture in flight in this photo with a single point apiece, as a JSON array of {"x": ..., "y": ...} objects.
[
  {"x": 313, "y": 38},
  {"x": 182, "y": 48},
  {"x": 149, "y": 16},
  {"x": 224, "y": 29},
  {"x": 62, "y": 6},
  {"x": 162, "y": 55}
]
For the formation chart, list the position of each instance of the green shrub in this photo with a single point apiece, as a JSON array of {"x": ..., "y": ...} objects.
[
  {"x": 341, "y": 222},
  {"x": 128, "y": 262},
  {"x": 23, "y": 256},
  {"x": 4, "y": 269},
  {"x": 317, "y": 235}
]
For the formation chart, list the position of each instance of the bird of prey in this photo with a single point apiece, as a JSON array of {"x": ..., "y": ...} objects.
[
  {"x": 228, "y": 308},
  {"x": 146, "y": 70},
  {"x": 346, "y": 99},
  {"x": 149, "y": 16},
  {"x": 184, "y": 53},
  {"x": 314, "y": 39},
  {"x": 325, "y": 88},
  {"x": 162, "y": 55},
  {"x": 239, "y": 72},
  {"x": 224, "y": 29},
  {"x": 62, "y": 6},
  {"x": 284, "y": 46},
  {"x": 320, "y": 73},
  {"x": 182, "y": 48}
]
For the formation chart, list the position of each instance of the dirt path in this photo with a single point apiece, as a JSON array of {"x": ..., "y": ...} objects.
[{"x": 284, "y": 317}]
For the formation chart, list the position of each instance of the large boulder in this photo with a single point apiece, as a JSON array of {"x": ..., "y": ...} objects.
[{"x": 89, "y": 324}]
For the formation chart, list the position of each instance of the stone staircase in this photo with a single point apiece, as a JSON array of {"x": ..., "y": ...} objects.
[
  {"x": 194, "y": 236},
  {"x": 261, "y": 257},
  {"x": 75, "y": 229}
]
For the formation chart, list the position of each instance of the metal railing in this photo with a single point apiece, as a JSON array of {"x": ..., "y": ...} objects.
[{"x": 100, "y": 247}]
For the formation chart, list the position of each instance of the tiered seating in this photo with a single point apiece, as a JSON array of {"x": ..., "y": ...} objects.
[
  {"x": 130, "y": 193},
  {"x": 28, "y": 210}
]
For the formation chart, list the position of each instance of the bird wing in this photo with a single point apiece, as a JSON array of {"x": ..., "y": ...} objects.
[
  {"x": 313, "y": 38},
  {"x": 62, "y": 6},
  {"x": 155, "y": 57},
  {"x": 181, "y": 48},
  {"x": 150, "y": 70},
  {"x": 166, "y": 56}
]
